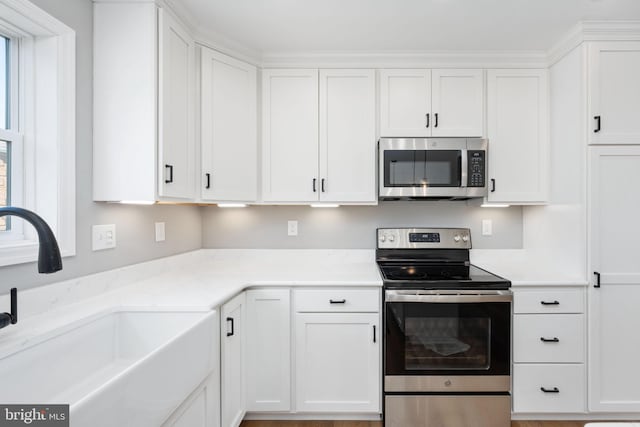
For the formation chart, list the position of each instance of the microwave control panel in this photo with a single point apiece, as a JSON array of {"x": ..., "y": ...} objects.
[{"x": 476, "y": 168}]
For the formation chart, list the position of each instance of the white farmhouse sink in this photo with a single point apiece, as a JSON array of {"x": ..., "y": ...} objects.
[{"x": 123, "y": 368}]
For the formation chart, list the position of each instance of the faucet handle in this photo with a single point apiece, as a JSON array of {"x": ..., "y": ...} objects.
[{"x": 7, "y": 319}]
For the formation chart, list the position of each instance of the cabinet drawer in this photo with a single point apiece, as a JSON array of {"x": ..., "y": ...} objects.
[
  {"x": 554, "y": 338},
  {"x": 548, "y": 301},
  {"x": 337, "y": 300},
  {"x": 568, "y": 380}
]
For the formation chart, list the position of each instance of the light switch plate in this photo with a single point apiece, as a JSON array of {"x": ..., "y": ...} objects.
[
  {"x": 487, "y": 227},
  {"x": 103, "y": 237},
  {"x": 160, "y": 235},
  {"x": 292, "y": 228}
]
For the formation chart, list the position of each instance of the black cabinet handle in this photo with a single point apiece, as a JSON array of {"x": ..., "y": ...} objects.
[
  {"x": 493, "y": 185},
  {"x": 170, "y": 180},
  {"x": 550, "y": 390},
  {"x": 597, "y": 119},
  {"x": 314, "y": 185},
  {"x": 208, "y": 181},
  {"x": 436, "y": 123},
  {"x": 597, "y": 285},
  {"x": 427, "y": 115},
  {"x": 322, "y": 185},
  {"x": 550, "y": 302},
  {"x": 554, "y": 339},
  {"x": 374, "y": 333},
  {"x": 337, "y": 301},
  {"x": 230, "y": 319}
]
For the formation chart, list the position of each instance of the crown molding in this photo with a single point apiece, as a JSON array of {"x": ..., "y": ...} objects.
[
  {"x": 460, "y": 59},
  {"x": 593, "y": 31}
]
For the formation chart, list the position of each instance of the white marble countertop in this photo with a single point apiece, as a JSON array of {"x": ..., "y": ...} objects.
[{"x": 204, "y": 279}]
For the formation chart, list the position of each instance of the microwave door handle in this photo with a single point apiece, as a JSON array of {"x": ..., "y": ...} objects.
[{"x": 463, "y": 168}]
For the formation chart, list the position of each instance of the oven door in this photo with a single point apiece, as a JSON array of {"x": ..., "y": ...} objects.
[{"x": 447, "y": 342}]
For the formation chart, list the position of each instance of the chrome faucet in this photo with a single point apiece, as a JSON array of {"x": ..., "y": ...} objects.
[{"x": 49, "y": 260}]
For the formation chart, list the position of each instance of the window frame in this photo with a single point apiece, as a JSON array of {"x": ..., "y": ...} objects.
[{"x": 45, "y": 120}]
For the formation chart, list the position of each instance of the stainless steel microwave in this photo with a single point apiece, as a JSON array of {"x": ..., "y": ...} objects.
[{"x": 443, "y": 168}]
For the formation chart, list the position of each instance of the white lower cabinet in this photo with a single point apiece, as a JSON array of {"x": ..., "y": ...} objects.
[
  {"x": 201, "y": 409},
  {"x": 232, "y": 366},
  {"x": 549, "y": 348},
  {"x": 269, "y": 350},
  {"x": 337, "y": 362}
]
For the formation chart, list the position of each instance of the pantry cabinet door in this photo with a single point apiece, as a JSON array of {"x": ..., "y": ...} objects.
[
  {"x": 290, "y": 135},
  {"x": 228, "y": 129},
  {"x": 614, "y": 92},
  {"x": 347, "y": 136},
  {"x": 457, "y": 103},
  {"x": 405, "y": 103},
  {"x": 518, "y": 134},
  {"x": 268, "y": 350},
  {"x": 176, "y": 172},
  {"x": 613, "y": 307},
  {"x": 337, "y": 362}
]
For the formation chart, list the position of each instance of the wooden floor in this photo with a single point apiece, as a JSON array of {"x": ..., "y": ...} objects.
[{"x": 379, "y": 424}]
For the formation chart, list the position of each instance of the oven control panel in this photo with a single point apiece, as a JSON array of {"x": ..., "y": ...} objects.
[{"x": 424, "y": 238}]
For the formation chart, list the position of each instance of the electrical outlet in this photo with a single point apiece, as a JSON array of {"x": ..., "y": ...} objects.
[
  {"x": 103, "y": 237},
  {"x": 292, "y": 228},
  {"x": 160, "y": 232},
  {"x": 487, "y": 227}
]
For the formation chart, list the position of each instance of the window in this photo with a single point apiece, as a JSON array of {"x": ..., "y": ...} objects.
[
  {"x": 37, "y": 128},
  {"x": 10, "y": 138}
]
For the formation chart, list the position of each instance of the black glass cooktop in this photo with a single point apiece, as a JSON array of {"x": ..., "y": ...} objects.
[{"x": 416, "y": 275}]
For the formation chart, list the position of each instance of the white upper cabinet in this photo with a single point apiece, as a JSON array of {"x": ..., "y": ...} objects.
[
  {"x": 518, "y": 136},
  {"x": 614, "y": 93},
  {"x": 457, "y": 102},
  {"x": 347, "y": 136},
  {"x": 143, "y": 146},
  {"x": 290, "y": 135},
  {"x": 405, "y": 103},
  {"x": 319, "y": 140},
  {"x": 422, "y": 103},
  {"x": 228, "y": 129},
  {"x": 613, "y": 307},
  {"x": 176, "y": 105}
]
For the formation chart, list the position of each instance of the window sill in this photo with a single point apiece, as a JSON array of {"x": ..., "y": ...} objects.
[{"x": 23, "y": 251}]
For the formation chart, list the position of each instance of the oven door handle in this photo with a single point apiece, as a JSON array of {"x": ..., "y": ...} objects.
[{"x": 471, "y": 297}]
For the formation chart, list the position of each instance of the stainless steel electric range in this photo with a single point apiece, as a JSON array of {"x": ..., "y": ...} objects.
[{"x": 447, "y": 342}]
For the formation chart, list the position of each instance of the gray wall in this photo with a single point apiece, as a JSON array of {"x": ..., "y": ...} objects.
[
  {"x": 135, "y": 224},
  {"x": 352, "y": 226}
]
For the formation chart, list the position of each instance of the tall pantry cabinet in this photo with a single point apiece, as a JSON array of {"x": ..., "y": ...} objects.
[{"x": 613, "y": 129}]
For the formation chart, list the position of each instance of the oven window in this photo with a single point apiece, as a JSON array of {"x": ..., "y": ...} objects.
[
  {"x": 436, "y": 343},
  {"x": 422, "y": 168}
]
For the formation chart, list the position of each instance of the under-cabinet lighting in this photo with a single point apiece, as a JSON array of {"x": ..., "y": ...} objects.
[
  {"x": 232, "y": 205},
  {"x": 136, "y": 202},
  {"x": 496, "y": 205},
  {"x": 324, "y": 205}
]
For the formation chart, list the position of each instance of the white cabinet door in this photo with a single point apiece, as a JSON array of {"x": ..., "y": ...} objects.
[
  {"x": 337, "y": 362},
  {"x": 268, "y": 350},
  {"x": 175, "y": 118},
  {"x": 232, "y": 371},
  {"x": 518, "y": 136},
  {"x": 290, "y": 135},
  {"x": 613, "y": 308},
  {"x": 614, "y": 93},
  {"x": 228, "y": 128},
  {"x": 457, "y": 102},
  {"x": 405, "y": 103},
  {"x": 200, "y": 409},
  {"x": 347, "y": 136}
]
